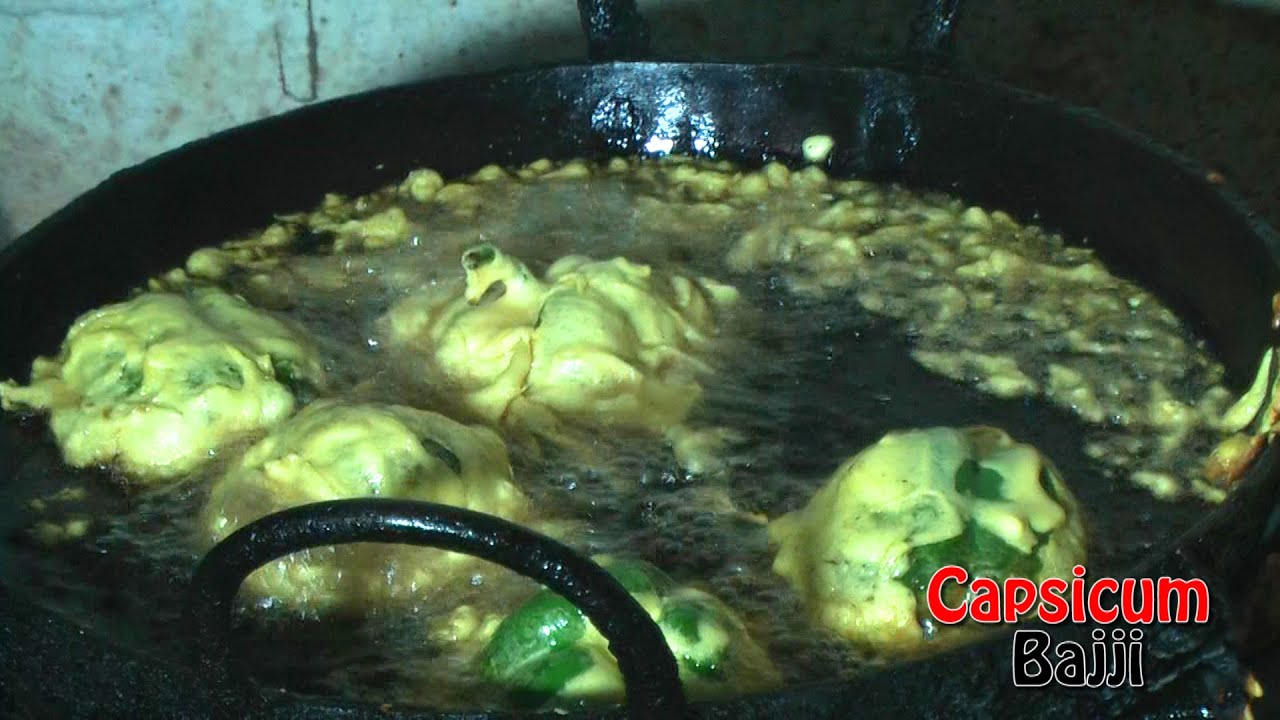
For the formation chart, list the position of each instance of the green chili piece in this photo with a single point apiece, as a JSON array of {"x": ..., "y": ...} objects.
[
  {"x": 696, "y": 652},
  {"x": 545, "y": 623},
  {"x": 110, "y": 378},
  {"x": 286, "y": 373},
  {"x": 979, "y": 482},
  {"x": 224, "y": 374},
  {"x": 533, "y": 683},
  {"x": 130, "y": 380},
  {"x": 479, "y": 256},
  {"x": 639, "y": 578},
  {"x": 436, "y": 449},
  {"x": 990, "y": 556},
  {"x": 927, "y": 559},
  {"x": 979, "y": 551}
]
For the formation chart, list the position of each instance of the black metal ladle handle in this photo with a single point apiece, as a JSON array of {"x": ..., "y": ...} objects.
[{"x": 653, "y": 688}]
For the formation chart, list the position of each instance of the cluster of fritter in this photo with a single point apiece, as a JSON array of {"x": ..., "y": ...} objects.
[{"x": 188, "y": 377}]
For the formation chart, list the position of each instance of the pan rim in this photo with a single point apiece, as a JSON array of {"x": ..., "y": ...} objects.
[{"x": 1092, "y": 118}]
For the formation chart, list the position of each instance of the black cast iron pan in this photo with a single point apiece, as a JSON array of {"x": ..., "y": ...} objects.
[{"x": 1147, "y": 211}]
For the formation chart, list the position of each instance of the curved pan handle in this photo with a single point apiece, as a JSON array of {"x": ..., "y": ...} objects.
[
  {"x": 616, "y": 31},
  {"x": 933, "y": 33},
  {"x": 648, "y": 668}
]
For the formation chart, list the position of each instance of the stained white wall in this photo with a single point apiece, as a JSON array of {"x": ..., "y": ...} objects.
[{"x": 91, "y": 86}]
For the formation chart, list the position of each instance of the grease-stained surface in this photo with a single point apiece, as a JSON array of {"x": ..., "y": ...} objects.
[{"x": 92, "y": 86}]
